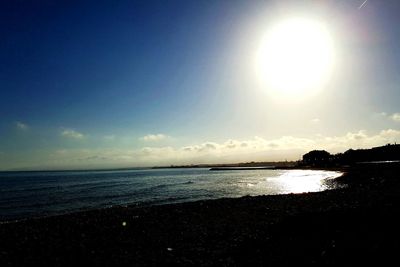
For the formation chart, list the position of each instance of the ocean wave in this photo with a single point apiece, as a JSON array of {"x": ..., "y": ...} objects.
[{"x": 64, "y": 192}]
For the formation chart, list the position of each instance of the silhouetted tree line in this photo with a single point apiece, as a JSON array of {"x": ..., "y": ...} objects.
[{"x": 324, "y": 159}]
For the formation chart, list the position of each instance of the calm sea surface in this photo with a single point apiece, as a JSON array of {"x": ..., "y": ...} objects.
[{"x": 29, "y": 194}]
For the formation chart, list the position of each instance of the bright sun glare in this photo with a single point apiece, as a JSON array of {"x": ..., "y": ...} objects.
[{"x": 296, "y": 56}]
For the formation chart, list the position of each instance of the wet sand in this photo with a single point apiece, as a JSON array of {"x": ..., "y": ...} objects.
[{"x": 350, "y": 226}]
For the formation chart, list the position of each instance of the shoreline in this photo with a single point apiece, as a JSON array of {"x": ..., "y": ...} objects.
[
  {"x": 149, "y": 203},
  {"x": 348, "y": 225}
]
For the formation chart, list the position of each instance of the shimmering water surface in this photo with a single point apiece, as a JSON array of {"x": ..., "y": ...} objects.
[{"x": 28, "y": 194}]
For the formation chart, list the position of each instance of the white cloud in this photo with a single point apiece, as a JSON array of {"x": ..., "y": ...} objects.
[
  {"x": 315, "y": 120},
  {"x": 395, "y": 117},
  {"x": 231, "y": 150},
  {"x": 68, "y": 133},
  {"x": 21, "y": 126},
  {"x": 154, "y": 137},
  {"x": 258, "y": 148}
]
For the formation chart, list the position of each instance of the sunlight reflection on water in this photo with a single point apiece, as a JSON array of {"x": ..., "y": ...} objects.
[{"x": 299, "y": 181}]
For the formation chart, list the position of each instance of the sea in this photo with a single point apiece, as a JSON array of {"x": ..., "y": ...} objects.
[{"x": 36, "y": 194}]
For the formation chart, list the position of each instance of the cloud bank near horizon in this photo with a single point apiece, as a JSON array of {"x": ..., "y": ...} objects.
[{"x": 252, "y": 149}]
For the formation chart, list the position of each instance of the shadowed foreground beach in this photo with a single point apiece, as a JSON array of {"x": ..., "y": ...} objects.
[{"x": 354, "y": 225}]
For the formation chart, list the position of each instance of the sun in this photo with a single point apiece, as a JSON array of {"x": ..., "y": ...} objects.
[{"x": 296, "y": 56}]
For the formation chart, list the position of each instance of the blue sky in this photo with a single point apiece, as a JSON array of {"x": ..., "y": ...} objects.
[{"x": 89, "y": 84}]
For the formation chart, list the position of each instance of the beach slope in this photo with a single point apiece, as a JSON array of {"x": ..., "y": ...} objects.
[{"x": 354, "y": 225}]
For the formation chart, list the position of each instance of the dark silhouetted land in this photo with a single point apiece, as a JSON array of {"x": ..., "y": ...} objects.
[
  {"x": 322, "y": 158},
  {"x": 252, "y": 164}
]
